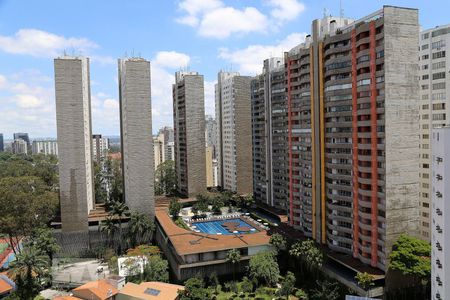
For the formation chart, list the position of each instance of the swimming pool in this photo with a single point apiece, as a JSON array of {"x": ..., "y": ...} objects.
[{"x": 224, "y": 227}]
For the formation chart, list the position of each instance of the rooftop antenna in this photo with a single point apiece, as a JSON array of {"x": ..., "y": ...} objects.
[
  {"x": 325, "y": 12},
  {"x": 341, "y": 10}
]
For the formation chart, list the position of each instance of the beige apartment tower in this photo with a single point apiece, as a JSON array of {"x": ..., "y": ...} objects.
[
  {"x": 136, "y": 134},
  {"x": 234, "y": 132},
  {"x": 73, "y": 120},
  {"x": 189, "y": 133}
]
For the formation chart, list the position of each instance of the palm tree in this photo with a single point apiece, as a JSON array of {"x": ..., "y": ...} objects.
[
  {"x": 120, "y": 210},
  {"x": 233, "y": 257},
  {"x": 27, "y": 270},
  {"x": 309, "y": 255},
  {"x": 140, "y": 228},
  {"x": 109, "y": 227},
  {"x": 325, "y": 290}
]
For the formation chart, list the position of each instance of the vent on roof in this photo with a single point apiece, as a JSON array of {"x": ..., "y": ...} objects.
[
  {"x": 152, "y": 292},
  {"x": 194, "y": 242}
]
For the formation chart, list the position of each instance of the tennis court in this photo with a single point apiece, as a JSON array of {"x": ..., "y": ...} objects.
[{"x": 225, "y": 227}]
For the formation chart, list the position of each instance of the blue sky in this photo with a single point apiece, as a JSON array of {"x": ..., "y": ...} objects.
[{"x": 203, "y": 35}]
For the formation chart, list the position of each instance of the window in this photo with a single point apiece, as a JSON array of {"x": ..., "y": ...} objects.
[
  {"x": 425, "y": 117},
  {"x": 363, "y": 58},
  {"x": 424, "y": 47},
  {"x": 439, "y": 86},
  {"x": 425, "y": 86},
  {"x": 439, "y": 54},
  {"x": 438, "y": 106},
  {"x": 440, "y": 75},
  {"x": 438, "y": 117},
  {"x": 425, "y": 77},
  {"x": 438, "y": 96},
  {"x": 438, "y": 65},
  {"x": 425, "y": 97},
  {"x": 426, "y": 176},
  {"x": 426, "y": 166},
  {"x": 438, "y": 44},
  {"x": 338, "y": 87},
  {"x": 380, "y": 54},
  {"x": 363, "y": 82},
  {"x": 424, "y": 67},
  {"x": 426, "y": 56},
  {"x": 425, "y": 106},
  {"x": 425, "y": 36},
  {"x": 425, "y": 204}
]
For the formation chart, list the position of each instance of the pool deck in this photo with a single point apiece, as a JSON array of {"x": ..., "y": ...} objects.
[{"x": 188, "y": 242}]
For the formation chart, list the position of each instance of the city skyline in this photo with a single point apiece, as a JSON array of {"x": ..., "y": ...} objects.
[{"x": 28, "y": 45}]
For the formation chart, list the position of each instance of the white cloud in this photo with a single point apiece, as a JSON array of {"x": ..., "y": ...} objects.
[
  {"x": 171, "y": 59},
  {"x": 249, "y": 60},
  {"x": 214, "y": 19},
  {"x": 28, "y": 101},
  {"x": 223, "y": 22},
  {"x": 40, "y": 43},
  {"x": 2, "y": 81},
  {"x": 286, "y": 10}
]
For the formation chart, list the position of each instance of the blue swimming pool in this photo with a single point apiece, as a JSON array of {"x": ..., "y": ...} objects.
[{"x": 225, "y": 227}]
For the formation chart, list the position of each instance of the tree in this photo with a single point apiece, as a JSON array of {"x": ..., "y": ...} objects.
[
  {"x": 175, "y": 208},
  {"x": 140, "y": 229},
  {"x": 44, "y": 242},
  {"x": 217, "y": 204},
  {"x": 202, "y": 202},
  {"x": 365, "y": 280},
  {"x": 308, "y": 253},
  {"x": 109, "y": 227},
  {"x": 27, "y": 271},
  {"x": 115, "y": 182},
  {"x": 411, "y": 256},
  {"x": 263, "y": 266},
  {"x": 165, "y": 178},
  {"x": 27, "y": 203},
  {"x": 120, "y": 210},
  {"x": 278, "y": 241},
  {"x": 233, "y": 257},
  {"x": 287, "y": 285},
  {"x": 301, "y": 294},
  {"x": 156, "y": 269},
  {"x": 325, "y": 290},
  {"x": 99, "y": 184},
  {"x": 194, "y": 289},
  {"x": 246, "y": 285}
]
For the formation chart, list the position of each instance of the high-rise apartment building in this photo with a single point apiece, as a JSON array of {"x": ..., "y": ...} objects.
[
  {"x": 136, "y": 134},
  {"x": 209, "y": 167},
  {"x": 234, "y": 132},
  {"x": 352, "y": 133},
  {"x": 73, "y": 120},
  {"x": 46, "y": 147},
  {"x": 23, "y": 136},
  {"x": 169, "y": 152},
  {"x": 100, "y": 147},
  {"x": 440, "y": 196},
  {"x": 434, "y": 107},
  {"x": 158, "y": 149},
  {"x": 269, "y": 131},
  {"x": 211, "y": 134},
  {"x": 189, "y": 132},
  {"x": 2, "y": 145},
  {"x": 19, "y": 146}
]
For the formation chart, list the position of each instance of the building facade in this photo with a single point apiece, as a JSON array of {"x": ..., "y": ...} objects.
[
  {"x": 2, "y": 145},
  {"x": 136, "y": 134},
  {"x": 73, "y": 120},
  {"x": 434, "y": 108},
  {"x": 47, "y": 147},
  {"x": 169, "y": 151},
  {"x": 352, "y": 133},
  {"x": 269, "y": 131},
  {"x": 158, "y": 150},
  {"x": 189, "y": 132},
  {"x": 19, "y": 146},
  {"x": 211, "y": 134},
  {"x": 100, "y": 147},
  {"x": 234, "y": 132},
  {"x": 440, "y": 239},
  {"x": 23, "y": 136}
]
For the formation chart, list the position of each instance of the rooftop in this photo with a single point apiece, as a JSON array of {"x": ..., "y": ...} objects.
[
  {"x": 152, "y": 290},
  {"x": 188, "y": 242},
  {"x": 100, "y": 289}
]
